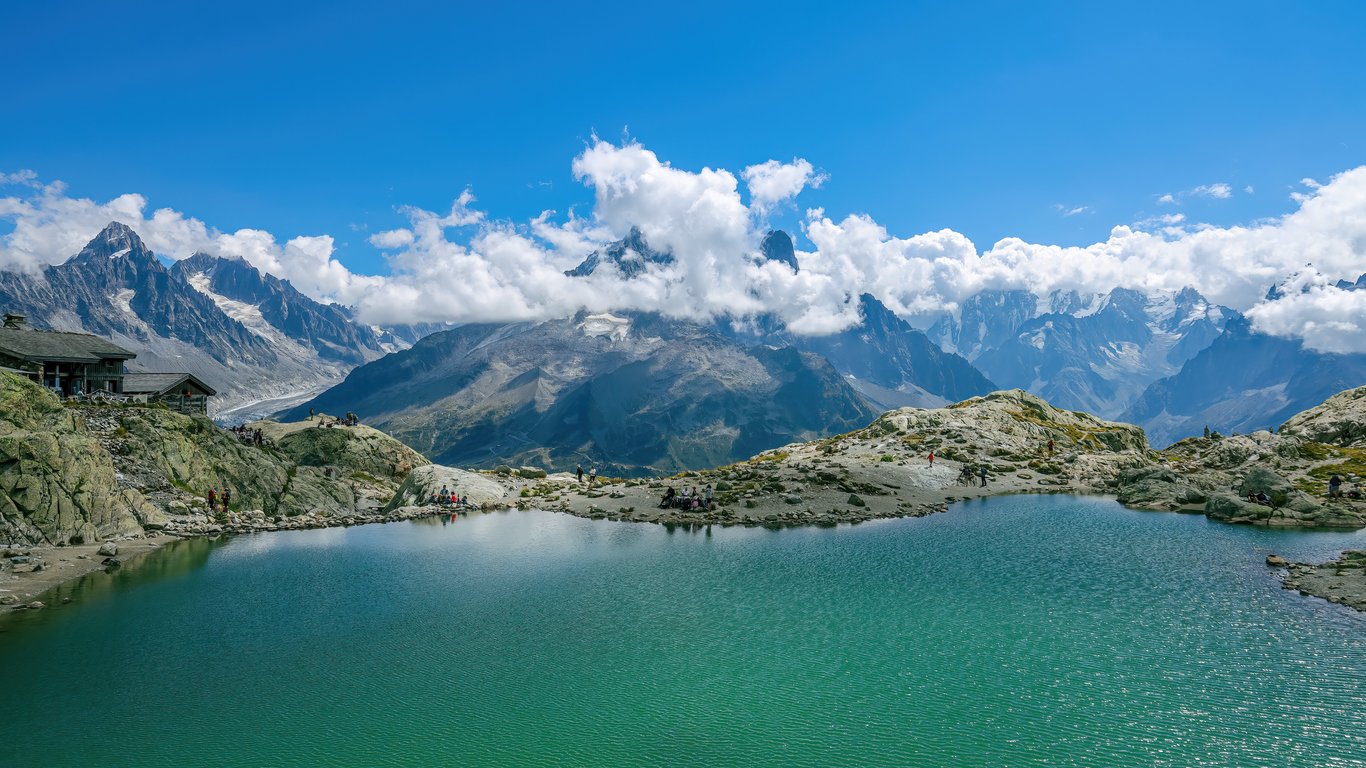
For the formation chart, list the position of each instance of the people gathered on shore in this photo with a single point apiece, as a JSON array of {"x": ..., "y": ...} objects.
[
  {"x": 448, "y": 498},
  {"x": 690, "y": 498}
]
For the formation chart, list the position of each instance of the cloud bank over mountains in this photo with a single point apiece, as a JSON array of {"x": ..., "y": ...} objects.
[{"x": 461, "y": 265}]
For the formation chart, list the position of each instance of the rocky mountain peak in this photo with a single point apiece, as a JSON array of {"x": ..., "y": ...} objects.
[
  {"x": 777, "y": 246},
  {"x": 116, "y": 242},
  {"x": 1359, "y": 285},
  {"x": 631, "y": 256},
  {"x": 1127, "y": 301},
  {"x": 1188, "y": 296}
]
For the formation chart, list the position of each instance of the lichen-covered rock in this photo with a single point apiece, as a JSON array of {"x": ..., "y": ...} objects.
[
  {"x": 168, "y": 451},
  {"x": 425, "y": 482},
  {"x": 359, "y": 449},
  {"x": 1019, "y": 422},
  {"x": 1229, "y": 509},
  {"x": 1340, "y": 420},
  {"x": 1262, "y": 480},
  {"x": 1157, "y": 487},
  {"x": 57, "y": 484}
]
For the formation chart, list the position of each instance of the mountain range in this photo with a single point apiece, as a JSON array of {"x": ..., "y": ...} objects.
[
  {"x": 634, "y": 392},
  {"x": 1094, "y": 353},
  {"x": 1170, "y": 362},
  {"x": 1243, "y": 381},
  {"x": 253, "y": 337},
  {"x": 628, "y": 393}
]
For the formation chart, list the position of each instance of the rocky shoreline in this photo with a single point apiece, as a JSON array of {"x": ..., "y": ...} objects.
[
  {"x": 137, "y": 477},
  {"x": 1341, "y": 581}
]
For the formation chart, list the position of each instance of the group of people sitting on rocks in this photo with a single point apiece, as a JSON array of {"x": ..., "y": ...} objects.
[
  {"x": 448, "y": 498},
  {"x": 249, "y": 435},
  {"x": 688, "y": 499}
]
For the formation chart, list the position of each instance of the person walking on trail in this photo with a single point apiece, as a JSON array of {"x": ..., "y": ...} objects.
[
  {"x": 227, "y": 497},
  {"x": 931, "y": 458},
  {"x": 982, "y": 473},
  {"x": 213, "y": 498},
  {"x": 310, "y": 414},
  {"x": 592, "y": 476},
  {"x": 578, "y": 470},
  {"x": 1050, "y": 446}
]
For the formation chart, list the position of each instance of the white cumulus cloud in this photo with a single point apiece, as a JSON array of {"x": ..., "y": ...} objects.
[
  {"x": 1325, "y": 317},
  {"x": 463, "y": 265},
  {"x": 772, "y": 182},
  {"x": 1220, "y": 191}
]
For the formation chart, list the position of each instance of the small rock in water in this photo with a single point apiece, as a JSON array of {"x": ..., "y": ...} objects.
[
  {"x": 1276, "y": 561},
  {"x": 36, "y": 605}
]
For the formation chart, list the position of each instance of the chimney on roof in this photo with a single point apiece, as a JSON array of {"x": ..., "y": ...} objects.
[{"x": 13, "y": 320}]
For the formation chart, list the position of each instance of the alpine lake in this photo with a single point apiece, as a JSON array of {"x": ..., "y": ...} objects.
[{"x": 1021, "y": 631}]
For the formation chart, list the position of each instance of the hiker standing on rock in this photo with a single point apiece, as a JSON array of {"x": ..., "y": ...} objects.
[
  {"x": 592, "y": 476},
  {"x": 578, "y": 470},
  {"x": 931, "y": 458},
  {"x": 1050, "y": 446},
  {"x": 227, "y": 497},
  {"x": 982, "y": 473},
  {"x": 213, "y": 498}
]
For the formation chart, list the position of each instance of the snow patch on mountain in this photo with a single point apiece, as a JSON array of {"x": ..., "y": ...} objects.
[{"x": 606, "y": 324}]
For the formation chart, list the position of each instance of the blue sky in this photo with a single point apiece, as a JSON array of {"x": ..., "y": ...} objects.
[{"x": 988, "y": 118}]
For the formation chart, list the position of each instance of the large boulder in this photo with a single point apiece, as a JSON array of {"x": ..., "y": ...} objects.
[
  {"x": 1234, "y": 510},
  {"x": 425, "y": 482},
  {"x": 1340, "y": 420},
  {"x": 57, "y": 483},
  {"x": 1262, "y": 480},
  {"x": 1156, "y": 488}
]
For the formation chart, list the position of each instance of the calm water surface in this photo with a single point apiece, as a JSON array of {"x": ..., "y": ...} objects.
[{"x": 1021, "y": 631}]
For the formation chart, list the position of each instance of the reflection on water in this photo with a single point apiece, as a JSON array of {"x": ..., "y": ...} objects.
[
  {"x": 1027, "y": 631},
  {"x": 173, "y": 559}
]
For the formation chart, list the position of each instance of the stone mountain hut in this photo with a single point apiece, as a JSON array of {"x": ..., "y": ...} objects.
[{"x": 73, "y": 364}]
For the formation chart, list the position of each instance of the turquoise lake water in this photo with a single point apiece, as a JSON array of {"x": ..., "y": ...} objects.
[{"x": 1020, "y": 631}]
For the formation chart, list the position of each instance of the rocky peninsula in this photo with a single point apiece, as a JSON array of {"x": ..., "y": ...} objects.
[
  {"x": 84, "y": 487},
  {"x": 77, "y": 478}
]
